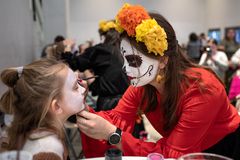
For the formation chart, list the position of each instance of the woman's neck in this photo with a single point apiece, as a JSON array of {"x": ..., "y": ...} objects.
[{"x": 158, "y": 86}]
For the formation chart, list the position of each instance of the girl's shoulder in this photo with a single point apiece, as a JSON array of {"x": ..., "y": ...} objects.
[{"x": 44, "y": 142}]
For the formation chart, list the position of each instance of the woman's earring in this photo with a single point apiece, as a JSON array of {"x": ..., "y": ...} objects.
[{"x": 159, "y": 78}]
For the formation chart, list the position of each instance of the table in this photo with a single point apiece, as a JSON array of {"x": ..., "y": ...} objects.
[
  {"x": 123, "y": 158},
  {"x": 127, "y": 158}
]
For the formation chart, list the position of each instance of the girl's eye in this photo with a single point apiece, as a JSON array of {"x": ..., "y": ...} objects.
[{"x": 76, "y": 87}]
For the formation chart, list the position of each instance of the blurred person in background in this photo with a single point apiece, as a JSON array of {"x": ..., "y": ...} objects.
[
  {"x": 234, "y": 91},
  {"x": 203, "y": 41},
  {"x": 57, "y": 39},
  {"x": 194, "y": 47},
  {"x": 216, "y": 60},
  {"x": 229, "y": 46},
  {"x": 229, "y": 43},
  {"x": 82, "y": 47}
]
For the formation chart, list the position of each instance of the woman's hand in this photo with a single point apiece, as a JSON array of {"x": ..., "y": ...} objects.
[{"x": 94, "y": 126}]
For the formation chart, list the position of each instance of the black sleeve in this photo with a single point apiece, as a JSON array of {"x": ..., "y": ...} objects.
[
  {"x": 83, "y": 63},
  {"x": 80, "y": 62},
  {"x": 100, "y": 60},
  {"x": 70, "y": 59},
  {"x": 96, "y": 58}
]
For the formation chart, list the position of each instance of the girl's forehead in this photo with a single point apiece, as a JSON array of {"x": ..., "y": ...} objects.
[
  {"x": 68, "y": 77},
  {"x": 71, "y": 76}
]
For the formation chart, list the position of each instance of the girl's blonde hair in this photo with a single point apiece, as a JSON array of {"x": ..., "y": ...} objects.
[{"x": 29, "y": 97}]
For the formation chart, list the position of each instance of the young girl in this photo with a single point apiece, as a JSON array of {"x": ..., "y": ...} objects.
[{"x": 41, "y": 96}]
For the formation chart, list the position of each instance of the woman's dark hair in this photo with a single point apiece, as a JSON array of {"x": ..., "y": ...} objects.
[
  {"x": 193, "y": 37},
  {"x": 59, "y": 38},
  {"x": 174, "y": 76},
  {"x": 112, "y": 37},
  {"x": 112, "y": 41},
  {"x": 226, "y": 35},
  {"x": 214, "y": 41}
]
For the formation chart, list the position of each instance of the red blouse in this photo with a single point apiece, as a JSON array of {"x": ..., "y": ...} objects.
[{"x": 205, "y": 118}]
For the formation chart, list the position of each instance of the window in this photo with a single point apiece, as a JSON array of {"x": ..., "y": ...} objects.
[{"x": 215, "y": 34}]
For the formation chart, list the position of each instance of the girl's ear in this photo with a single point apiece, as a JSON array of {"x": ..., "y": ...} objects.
[
  {"x": 163, "y": 62},
  {"x": 55, "y": 107}
]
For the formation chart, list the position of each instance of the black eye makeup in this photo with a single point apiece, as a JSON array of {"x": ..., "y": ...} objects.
[{"x": 134, "y": 60}]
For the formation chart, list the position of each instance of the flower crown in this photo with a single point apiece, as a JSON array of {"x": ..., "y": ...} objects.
[
  {"x": 107, "y": 25},
  {"x": 135, "y": 20}
]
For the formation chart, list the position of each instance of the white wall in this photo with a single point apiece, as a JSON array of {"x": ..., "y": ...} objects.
[
  {"x": 223, "y": 13},
  {"x": 185, "y": 15},
  {"x": 55, "y": 19},
  {"x": 16, "y": 34}
]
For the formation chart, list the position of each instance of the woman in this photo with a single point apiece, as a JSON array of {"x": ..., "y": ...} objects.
[
  {"x": 194, "y": 47},
  {"x": 41, "y": 96},
  {"x": 186, "y": 103},
  {"x": 229, "y": 43},
  {"x": 215, "y": 59}
]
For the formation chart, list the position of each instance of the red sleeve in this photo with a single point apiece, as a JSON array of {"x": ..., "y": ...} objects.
[
  {"x": 197, "y": 115},
  {"x": 123, "y": 116}
]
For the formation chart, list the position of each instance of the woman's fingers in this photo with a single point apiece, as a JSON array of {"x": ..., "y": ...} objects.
[
  {"x": 82, "y": 127},
  {"x": 89, "y": 123},
  {"x": 87, "y": 115}
]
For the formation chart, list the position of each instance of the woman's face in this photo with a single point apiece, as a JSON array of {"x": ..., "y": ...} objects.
[
  {"x": 230, "y": 34},
  {"x": 140, "y": 69},
  {"x": 213, "y": 46},
  {"x": 73, "y": 95}
]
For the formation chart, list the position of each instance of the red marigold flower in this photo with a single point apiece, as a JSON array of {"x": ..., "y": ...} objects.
[{"x": 131, "y": 16}]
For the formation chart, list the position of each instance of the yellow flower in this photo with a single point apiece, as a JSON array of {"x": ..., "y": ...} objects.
[
  {"x": 106, "y": 25},
  {"x": 153, "y": 36},
  {"x": 118, "y": 26}
]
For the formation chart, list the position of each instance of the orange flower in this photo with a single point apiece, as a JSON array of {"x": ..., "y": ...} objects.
[{"x": 131, "y": 16}]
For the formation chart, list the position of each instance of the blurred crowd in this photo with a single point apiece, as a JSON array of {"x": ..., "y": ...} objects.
[{"x": 223, "y": 58}]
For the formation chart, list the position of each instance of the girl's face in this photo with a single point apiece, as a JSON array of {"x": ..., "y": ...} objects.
[
  {"x": 73, "y": 95},
  {"x": 140, "y": 69}
]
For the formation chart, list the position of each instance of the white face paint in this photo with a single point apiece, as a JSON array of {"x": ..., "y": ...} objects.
[
  {"x": 73, "y": 98},
  {"x": 140, "y": 69}
]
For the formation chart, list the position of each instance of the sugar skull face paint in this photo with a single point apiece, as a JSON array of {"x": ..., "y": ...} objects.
[{"x": 140, "y": 68}]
